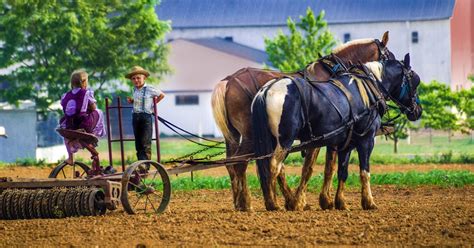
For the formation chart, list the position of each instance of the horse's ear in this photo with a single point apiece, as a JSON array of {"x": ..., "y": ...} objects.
[
  {"x": 385, "y": 39},
  {"x": 406, "y": 60}
]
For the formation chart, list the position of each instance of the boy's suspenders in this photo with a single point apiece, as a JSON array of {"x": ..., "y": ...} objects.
[{"x": 143, "y": 99}]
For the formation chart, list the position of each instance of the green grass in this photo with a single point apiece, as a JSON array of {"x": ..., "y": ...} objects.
[
  {"x": 434, "y": 177},
  {"x": 459, "y": 150},
  {"x": 420, "y": 151}
]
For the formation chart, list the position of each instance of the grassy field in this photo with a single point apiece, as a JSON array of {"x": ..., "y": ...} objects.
[
  {"x": 459, "y": 150},
  {"x": 409, "y": 179}
]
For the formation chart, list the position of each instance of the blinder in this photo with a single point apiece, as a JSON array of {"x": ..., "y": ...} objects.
[{"x": 407, "y": 88}]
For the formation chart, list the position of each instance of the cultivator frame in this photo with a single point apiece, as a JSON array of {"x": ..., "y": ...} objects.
[{"x": 142, "y": 187}]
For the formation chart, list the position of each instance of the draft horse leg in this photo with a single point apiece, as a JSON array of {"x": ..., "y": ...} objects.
[
  {"x": 299, "y": 201},
  {"x": 325, "y": 201},
  {"x": 365, "y": 149},
  {"x": 277, "y": 172},
  {"x": 240, "y": 193},
  {"x": 342, "y": 174}
]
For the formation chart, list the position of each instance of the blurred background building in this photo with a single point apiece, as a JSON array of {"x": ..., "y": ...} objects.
[
  {"x": 211, "y": 39},
  {"x": 438, "y": 34}
]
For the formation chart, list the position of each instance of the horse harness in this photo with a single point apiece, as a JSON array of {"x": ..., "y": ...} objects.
[
  {"x": 371, "y": 87},
  {"x": 249, "y": 92},
  {"x": 331, "y": 63}
]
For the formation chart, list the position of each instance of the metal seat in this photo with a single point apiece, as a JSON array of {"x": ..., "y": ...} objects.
[{"x": 79, "y": 134}]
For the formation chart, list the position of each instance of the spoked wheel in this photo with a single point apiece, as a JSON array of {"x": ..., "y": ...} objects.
[
  {"x": 66, "y": 171},
  {"x": 146, "y": 188}
]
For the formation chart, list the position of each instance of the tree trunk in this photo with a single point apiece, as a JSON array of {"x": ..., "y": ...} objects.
[
  {"x": 395, "y": 144},
  {"x": 449, "y": 135},
  {"x": 409, "y": 136},
  {"x": 431, "y": 136}
]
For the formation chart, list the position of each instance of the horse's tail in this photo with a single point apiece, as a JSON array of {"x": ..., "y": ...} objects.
[
  {"x": 263, "y": 140},
  {"x": 219, "y": 111}
]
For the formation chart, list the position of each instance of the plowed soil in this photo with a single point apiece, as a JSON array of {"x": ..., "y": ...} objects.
[{"x": 427, "y": 216}]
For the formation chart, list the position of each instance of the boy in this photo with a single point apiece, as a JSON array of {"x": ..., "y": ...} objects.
[{"x": 142, "y": 117}]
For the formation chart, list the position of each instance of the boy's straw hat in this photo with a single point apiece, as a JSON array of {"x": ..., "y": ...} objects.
[{"x": 137, "y": 70}]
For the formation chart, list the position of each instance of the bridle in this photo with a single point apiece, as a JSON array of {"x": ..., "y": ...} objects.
[
  {"x": 405, "y": 88},
  {"x": 384, "y": 53}
]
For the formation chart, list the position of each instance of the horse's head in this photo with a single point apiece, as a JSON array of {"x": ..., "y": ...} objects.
[{"x": 399, "y": 83}]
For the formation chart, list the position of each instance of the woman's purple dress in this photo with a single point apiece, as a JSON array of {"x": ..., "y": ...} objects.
[{"x": 76, "y": 116}]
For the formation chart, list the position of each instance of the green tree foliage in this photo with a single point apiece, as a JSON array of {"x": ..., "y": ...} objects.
[
  {"x": 400, "y": 126},
  {"x": 306, "y": 41},
  {"x": 466, "y": 108},
  {"x": 44, "y": 41},
  {"x": 438, "y": 101}
]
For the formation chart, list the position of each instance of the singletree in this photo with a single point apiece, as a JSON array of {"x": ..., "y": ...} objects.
[
  {"x": 44, "y": 41},
  {"x": 307, "y": 40}
]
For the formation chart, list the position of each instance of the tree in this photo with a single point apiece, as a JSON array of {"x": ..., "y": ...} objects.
[
  {"x": 400, "y": 126},
  {"x": 437, "y": 102},
  {"x": 44, "y": 41},
  {"x": 466, "y": 108},
  {"x": 294, "y": 51}
]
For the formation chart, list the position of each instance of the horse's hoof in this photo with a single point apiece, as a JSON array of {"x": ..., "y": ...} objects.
[
  {"x": 369, "y": 206},
  {"x": 341, "y": 205},
  {"x": 293, "y": 205},
  {"x": 243, "y": 207},
  {"x": 272, "y": 207},
  {"x": 307, "y": 207},
  {"x": 325, "y": 203}
]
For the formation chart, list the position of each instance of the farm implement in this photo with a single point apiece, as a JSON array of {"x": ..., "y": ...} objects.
[{"x": 77, "y": 189}]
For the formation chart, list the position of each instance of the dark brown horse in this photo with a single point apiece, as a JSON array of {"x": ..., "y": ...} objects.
[{"x": 231, "y": 103}]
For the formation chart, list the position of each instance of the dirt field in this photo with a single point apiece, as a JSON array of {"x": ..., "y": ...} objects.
[{"x": 429, "y": 216}]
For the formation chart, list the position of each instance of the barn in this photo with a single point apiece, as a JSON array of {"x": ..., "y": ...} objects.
[
  {"x": 198, "y": 65},
  {"x": 438, "y": 34}
]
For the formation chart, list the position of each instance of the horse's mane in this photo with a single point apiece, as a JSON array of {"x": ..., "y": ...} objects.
[
  {"x": 376, "y": 68},
  {"x": 354, "y": 49},
  {"x": 351, "y": 43}
]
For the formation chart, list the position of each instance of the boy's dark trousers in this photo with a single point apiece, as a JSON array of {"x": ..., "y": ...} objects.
[{"x": 143, "y": 131}]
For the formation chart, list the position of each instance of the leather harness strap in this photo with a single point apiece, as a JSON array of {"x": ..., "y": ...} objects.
[
  {"x": 254, "y": 80},
  {"x": 353, "y": 115},
  {"x": 299, "y": 82},
  {"x": 244, "y": 88}
]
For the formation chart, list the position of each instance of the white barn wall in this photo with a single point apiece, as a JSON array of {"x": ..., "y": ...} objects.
[
  {"x": 248, "y": 36},
  {"x": 196, "y": 70},
  {"x": 52, "y": 154},
  {"x": 20, "y": 126},
  {"x": 431, "y": 56},
  {"x": 196, "y": 119}
]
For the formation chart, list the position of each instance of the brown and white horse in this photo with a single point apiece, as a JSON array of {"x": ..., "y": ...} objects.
[{"x": 231, "y": 103}]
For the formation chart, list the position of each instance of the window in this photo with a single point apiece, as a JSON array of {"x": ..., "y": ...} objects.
[
  {"x": 414, "y": 37},
  {"x": 347, "y": 37},
  {"x": 187, "y": 100}
]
